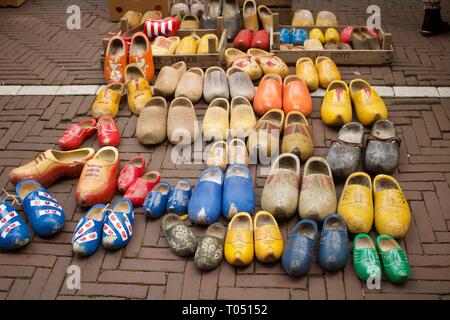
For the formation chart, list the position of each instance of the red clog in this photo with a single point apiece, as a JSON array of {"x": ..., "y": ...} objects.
[
  {"x": 74, "y": 136},
  {"x": 133, "y": 170},
  {"x": 141, "y": 54},
  {"x": 108, "y": 134},
  {"x": 243, "y": 40},
  {"x": 269, "y": 94},
  {"x": 261, "y": 40},
  {"x": 116, "y": 59},
  {"x": 141, "y": 187},
  {"x": 296, "y": 96},
  {"x": 346, "y": 34}
]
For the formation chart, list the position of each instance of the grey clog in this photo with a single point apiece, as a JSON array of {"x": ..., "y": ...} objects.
[
  {"x": 181, "y": 240},
  {"x": 240, "y": 84},
  {"x": 232, "y": 18},
  {"x": 213, "y": 9},
  {"x": 209, "y": 252},
  {"x": 215, "y": 84}
]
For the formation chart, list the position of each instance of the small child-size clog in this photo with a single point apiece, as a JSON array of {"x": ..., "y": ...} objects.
[
  {"x": 88, "y": 233},
  {"x": 285, "y": 36},
  {"x": 156, "y": 201},
  {"x": 365, "y": 257},
  {"x": 116, "y": 57},
  {"x": 131, "y": 171},
  {"x": 268, "y": 240},
  {"x": 297, "y": 136},
  {"x": 238, "y": 194},
  {"x": 108, "y": 133},
  {"x": 333, "y": 245},
  {"x": 205, "y": 205},
  {"x": 179, "y": 197},
  {"x": 118, "y": 227},
  {"x": 44, "y": 212},
  {"x": 141, "y": 187},
  {"x": 76, "y": 133},
  {"x": 239, "y": 247},
  {"x": 299, "y": 36},
  {"x": 218, "y": 155},
  {"x": 394, "y": 259},
  {"x": 368, "y": 104},
  {"x": 210, "y": 250},
  {"x": 336, "y": 107},
  {"x": 182, "y": 241},
  {"x": 14, "y": 232},
  {"x": 243, "y": 40},
  {"x": 298, "y": 253}
]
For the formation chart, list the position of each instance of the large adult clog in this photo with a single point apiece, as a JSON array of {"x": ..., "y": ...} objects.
[
  {"x": 297, "y": 136},
  {"x": 137, "y": 192},
  {"x": 182, "y": 241},
  {"x": 296, "y": 96},
  {"x": 98, "y": 180},
  {"x": 141, "y": 54},
  {"x": 210, "y": 250},
  {"x": 298, "y": 252},
  {"x": 236, "y": 58},
  {"x": 239, "y": 248},
  {"x": 107, "y": 101},
  {"x": 237, "y": 152},
  {"x": 336, "y": 107},
  {"x": 118, "y": 227},
  {"x": 238, "y": 195},
  {"x": 243, "y": 40},
  {"x": 268, "y": 240},
  {"x": 44, "y": 212},
  {"x": 218, "y": 155},
  {"x": 180, "y": 195},
  {"x": 365, "y": 258},
  {"x": 182, "y": 124},
  {"x": 327, "y": 71},
  {"x": 280, "y": 193},
  {"x": 318, "y": 195},
  {"x": 14, "y": 232},
  {"x": 240, "y": 84},
  {"x": 392, "y": 213},
  {"x": 326, "y": 19},
  {"x": 269, "y": 94},
  {"x": 368, "y": 104},
  {"x": 76, "y": 133},
  {"x": 116, "y": 57},
  {"x": 269, "y": 62},
  {"x": 216, "y": 120},
  {"x": 108, "y": 133},
  {"x": 356, "y": 204},
  {"x": 249, "y": 12},
  {"x": 242, "y": 118},
  {"x": 261, "y": 40},
  {"x": 205, "y": 205},
  {"x": 307, "y": 71},
  {"x": 333, "y": 244},
  {"x": 51, "y": 165},
  {"x": 138, "y": 88},
  {"x": 191, "y": 85},
  {"x": 155, "y": 203},
  {"x": 131, "y": 171},
  {"x": 215, "y": 84},
  {"x": 266, "y": 17},
  {"x": 345, "y": 151},
  {"x": 151, "y": 127},
  {"x": 383, "y": 148},
  {"x": 168, "y": 77},
  {"x": 302, "y": 18},
  {"x": 394, "y": 259},
  {"x": 87, "y": 236}
]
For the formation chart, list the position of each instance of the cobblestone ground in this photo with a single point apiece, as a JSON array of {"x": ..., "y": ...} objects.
[{"x": 38, "y": 49}]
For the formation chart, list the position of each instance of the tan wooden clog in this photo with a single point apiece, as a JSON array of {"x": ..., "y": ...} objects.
[
  {"x": 164, "y": 46},
  {"x": 297, "y": 136},
  {"x": 242, "y": 118},
  {"x": 240, "y": 83},
  {"x": 191, "y": 85},
  {"x": 215, "y": 84},
  {"x": 168, "y": 78},
  {"x": 152, "y": 122},
  {"x": 218, "y": 155},
  {"x": 182, "y": 124},
  {"x": 237, "y": 152}
]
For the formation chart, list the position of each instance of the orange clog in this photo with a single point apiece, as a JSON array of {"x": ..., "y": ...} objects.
[
  {"x": 269, "y": 94},
  {"x": 141, "y": 54},
  {"x": 116, "y": 60},
  {"x": 296, "y": 96}
]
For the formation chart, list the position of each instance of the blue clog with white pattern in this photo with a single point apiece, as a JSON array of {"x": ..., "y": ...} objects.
[
  {"x": 14, "y": 233},
  {"x": 118, "y": 227},
  {"x": 88, "y": 233}
]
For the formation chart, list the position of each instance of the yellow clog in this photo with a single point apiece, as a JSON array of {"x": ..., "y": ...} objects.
[
  {"x": 139, "y": 91},
  {"x": 216, "y": 122},
  {"x": 239, "y": 248},
  {"x": 356, "y": 204},
  {"x": 203, "y": 44},
  {"x": 188, "y": 45},
  {"x": 162, "y": 45},
  {"x": 237, "y": 58},
  {"x": 268, "y": 240},
  {"x": 326, "y": 19},
  {"x": 331, "y": 35},
  {"x": 327, "y": 70},
  {"x": 107, "y": 101},
  {"x": 368, "y": 104},
  {"x": 316, "y": 33},
  {"x": 336, "y": 107},
  {"x": 392, "y": 214},
  {"x": 306, "y": 70},
  {"x": 269, "y": 62},
  {"x": 297, "y": 136}
]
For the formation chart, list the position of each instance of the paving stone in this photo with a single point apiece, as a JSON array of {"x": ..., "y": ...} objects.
[{"x": 416, "y": 92}]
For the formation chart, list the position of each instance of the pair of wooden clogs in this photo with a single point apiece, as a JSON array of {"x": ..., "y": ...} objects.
[{"x": 322, "y": 72}]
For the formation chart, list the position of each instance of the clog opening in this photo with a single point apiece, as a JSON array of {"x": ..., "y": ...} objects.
[
  {"x": 133, "y": 73},
  {"x": 117, "y": 87},
  {"x": 334, "y": 223},
  {"x": 137, "y": 162},
  {"x": 241, "y": 222},
  {"x": 151, "y": 176},
  {"x": 352, "y": 132},
  {"x": 181, "y": 102},
  {"x": 288, "y": 161},
  {"x": 264, "y": 11},
  {"x": 70, "y": 156},
  {"x": 306, "y": 229},
  {"x": 385, "y": 184},
  {"x": 364, "y": 243},
  {"x": 249, "y": 7},
  {"x": 237, "y": 171},
  {"x": 212, "y": 176},
  {"x": 139, "y": 45},
  {"x": 358, "y": 85},
  {"x": 196, "y": 71},
  {"x": 304, "y": 60},
  {"x": 239, "y": 101},
  {"x": 170, "y": 220},
  {"x": 387, "y": 244},
  {"x": 237, "y": 143},
  {"x": 361, "y": 180},
  {"x": 159, "y": 102},
  {"x": 265, "y": 219},
  {"x": 220, "y": 102},
  {"x": 272, "y": 77},
  {"x": 26, "y": 188},
  {"x": 183, "y": 185},
  {"x": 383, "y": 129},
  {"x": 123, "y": 206},
  {"x": 95, "y": 214},
  {"x": 211, "y": 70},
  {"x": 179, "y": 65},
  {"x": 87, "y": 124},
  {"x": 292, "y": 78},
  {"x": 317, "y": 167},
  {"x": 337, "y": 85},
  {"x": 274, "y": 116},
  {"x": 107, "y": 154},
  {"x": 296, "y": 118},
  {"x": 216, "y": 230},
  {"x": 116, "y": 47},
  {"x": 162, "y": 188}
]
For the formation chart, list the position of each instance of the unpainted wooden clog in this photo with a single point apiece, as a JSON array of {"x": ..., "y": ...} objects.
[
  {"x": 152, "y": 122},
  {"x": 189, "y": 21},
  {"x": 326, "y": 19},
  {"x": 215, "y": 84},
  {"x": 218, "y": 155},
  {"x": 216, "y": 120},
  {"x": 302, "y": 18},
  {"x": 249, "y": 12},
  {"x": 191, "y": 85},
  {"x": 237, "y": 152},
  {"x": 167, "y": 80},
  {"x": 133, "y": 18},
  {"x": 242, "y": 119},
  {"x": 240, "y": 84},
  {"x": 182, "y": 124}
]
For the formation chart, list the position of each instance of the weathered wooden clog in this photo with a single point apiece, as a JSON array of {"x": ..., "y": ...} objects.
[
  {"x": 326, "y": 19},
  {"x": 215, "y": 84},
  {"x": 237, "y": 58},
  {"x": 181, "y": 240},
  {"x": 302, "y": 18},
  {"x": 249, "y": 12},
  {"x": 191, "y": 85},
  {"x": 297, "y": 136},
  {"x": 167, "y": 81},
  {"x": 240, "y": 84},
  {"x": 216, "y": 120},
  {"x": 210, "y": 250},
  {"x": 152, "y": 122},
  {"x": 333, "y": 246},
  {"x": 242, "y": 119},
  {"x": 182, "y": 124}
]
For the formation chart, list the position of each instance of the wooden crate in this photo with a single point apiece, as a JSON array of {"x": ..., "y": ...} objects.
[
  {"x": 341, "y": 57},
  {"x": 11, "y": 3}
]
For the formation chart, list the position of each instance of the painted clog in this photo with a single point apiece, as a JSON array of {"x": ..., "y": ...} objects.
[
  {"x": 395, "y": 262},
  {"x": 302, "y": 18},
  {"x": 238, "y": 194},
  {"x": 333, "y": 244},
  {"x": 218, "y": 155},
  {"x": 299, "y": 36},
  {"x": 240, "y": 84},
  {"x": 317, "y": 34},
  {"x": 346, "y": 34},
  {"x": 285, "y": 36},
  {"x": 151, "y": 127},
  {"x": 182, "y": 124},
  {"x": 296, "y": 96},
  {"x": 345, "y": 151},
  {"x": 87, "y": 236},
  {"x": 137, "y": 192},
  {"x": 261, "y": 40},
  {"x": 392, "y": 213},
  {"x": 191, "y": 85},
  {"x": 242, "y": 119},
  {"x": 118, "y": 227},
  {"x": 266, "y": 17},
  {"x": 269, "y": 94},
  {"x": 326, "y": 19},
  {"x": 269, "y": 62},
  {"x": 116, "y": 60},
  {"x": 165, "y": 46},
  {"x": 239, "y": 244},
  {"x": 210, "y": 250},
  {"x": 168, "y": 77},
  {"x": 141, "y": 54},
  {"x": 179, "y": 197},
  {"x": 249, "y": 12},
  {"x": 243, "y": 40},
  {"x": 131, "y": 171},
  {"x": 307, "y": 71},
  {"x": 180, "y": 238},
  {"x": 216, "y": 120},
  {"x": 298, "y": 252},
  {"x": 52, "y": 165},
  {"x": 297, "y": 136},
  {"x": 356, "y": 204},
  {"x": 237, "y": 152},
  {"x": 76, "y": 133},
  {"x": 268, "y": 240},
  {"x": 188, "y": 45},
  {"x": 280, "y": 193},
  {"x": 98, "y": 180},
  {"x": 365, "y": 258},
  {"x": 205, "y": 205},
  {"x": 44, "y": 212},
  {"x": 14, "y": 232},
  {"x": 237, "y": 58},
  {"x": 108, "y": 133},
  {"x": 138, "y": 88},
  {"x": 108, "y": 100},
  {"x": 336, "y": 107},
  {"x": 318, "y": 195},
  {"x": 215, "y": 84},
  {"x": 205, "y": 46},
  {"x": 383, "y": 148},
  {"x": 368, "y": 104},
  {"x": 327, "y": 71}
]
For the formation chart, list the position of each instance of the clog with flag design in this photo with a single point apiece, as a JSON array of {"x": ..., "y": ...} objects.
[
  {"x": 14, "y": 233},
  {"x": 118, "y": 227},
  {"x": 87, "y": 235}
]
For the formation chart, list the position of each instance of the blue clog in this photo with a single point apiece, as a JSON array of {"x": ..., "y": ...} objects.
[
  {"x": 238, "y": 194},
  {"x": 88, "y": 233},
  {"x": 14, "y": 233},
  {"x": 179, "y": 198},
  {"x": 205, "y": 205},
  {"x": 299, "y": 36},
  {"x": 298, "y": 253},
  {"x": 156, "y": 201},
  {"x": 285, "y": 36},
  {"x": 118, "y": 227},
  {"x": 333, "y": 246},
  {"x": 44, "y": 212}
]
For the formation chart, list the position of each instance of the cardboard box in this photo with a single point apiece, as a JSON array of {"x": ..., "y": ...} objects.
[
  {"x": 12, "y": 3},
  {"x": 118, "y": 7}
]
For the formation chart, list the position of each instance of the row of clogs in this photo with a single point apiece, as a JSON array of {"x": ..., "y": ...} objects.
[
  {"x": 304, "y": 18},
  {"x": 192, "y": 44},
  {"x": 321, "y": 72},
  {"x": 299, "y": 36}
]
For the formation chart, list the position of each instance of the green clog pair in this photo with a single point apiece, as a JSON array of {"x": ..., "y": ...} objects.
[{"x": 367, "y": 263}]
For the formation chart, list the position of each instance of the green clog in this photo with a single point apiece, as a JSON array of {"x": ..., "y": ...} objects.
[
  {"x": 181, "y": 240},
  {"x": 365, "y": 257},
  {"x": 395, "y": 262},
  {"x": 209, "y": 252}
]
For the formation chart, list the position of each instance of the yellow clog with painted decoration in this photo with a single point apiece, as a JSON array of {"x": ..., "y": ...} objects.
[
  {"x": 139, "y": 91},
  {"x": 368, "y": 104},
  {"x": 239, "y": 244},
  {"x": 269, "y": 62},
  {"x": 107, "y": 101},
  {"x": 164, "y": 46},
  {"x": 336, "y": 107},
  {"x": 268, "y": 240}
]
